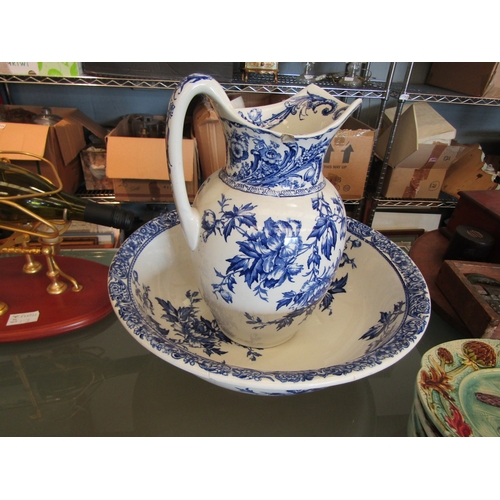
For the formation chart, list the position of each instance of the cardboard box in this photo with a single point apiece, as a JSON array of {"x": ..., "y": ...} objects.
[
  {"x": 41, "y": 68},
  {"x": 422, "y": 151},
  {"x": 159, "y": 191},
  {"x": 209, "y": 135},
  {"x": 94, "y": 168},
  {"x": 470, "y": 172},
  {"x": 61, "y": 143},
  {"x": 138, "y": 166},
  {"x": 129, "y": 157},
  {"x": 348, "y": 158},
  {"x": 147, "y": 191},
  {"x": 419, "y": 124},
  {"x": 254, "y": 99},
  {"x": 479, "y": 79},
  {"x": 424, "y": 182},
  {"x": 468, "y": 299}
]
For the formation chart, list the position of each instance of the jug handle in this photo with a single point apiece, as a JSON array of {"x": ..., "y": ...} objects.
[{"x": 187, "y": 89}]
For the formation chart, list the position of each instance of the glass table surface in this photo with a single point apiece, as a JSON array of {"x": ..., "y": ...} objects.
[{"x": 98, "y": 381}]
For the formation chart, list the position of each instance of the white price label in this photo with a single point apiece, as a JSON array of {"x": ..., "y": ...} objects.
[{"x": 21, "y": 318}]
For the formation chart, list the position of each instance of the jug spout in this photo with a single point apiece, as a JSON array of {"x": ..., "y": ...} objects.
[{"x": 310, "y": 112}]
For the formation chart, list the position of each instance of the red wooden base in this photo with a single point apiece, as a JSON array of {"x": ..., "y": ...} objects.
[{"x": 66, "y": 312}]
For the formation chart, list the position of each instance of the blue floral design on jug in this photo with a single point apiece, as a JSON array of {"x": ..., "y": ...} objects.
[
  {"x": 262, "y": 165},
  {"x": 269, "y": 257}
]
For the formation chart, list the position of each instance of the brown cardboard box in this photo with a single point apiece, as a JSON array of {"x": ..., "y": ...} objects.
[
  {"x": 209, "y": 135},
  {"x": 139, "y": 169},
  {"x": 254, "y": 99},
  {"x": 129, "y": 157},
  {"x": 406, "y": 180},
  {"x": 419, "y": 124},
  {"x": 421, "y": 152},
  {"x": 470, "y": 172},
  {"x": 132, "y": 182},
  {"x": 423, "y": 182},
  {"x": 61, "y": 143},
  {"x": 348, "y": 157},
  {"x": 480, "y": 79}
]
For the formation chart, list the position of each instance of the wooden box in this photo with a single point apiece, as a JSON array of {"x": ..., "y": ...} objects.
[
  {"x": 481, "y": 79},
  {"x": 467, "y": 299},
  {"x": 479, "y": 209}
]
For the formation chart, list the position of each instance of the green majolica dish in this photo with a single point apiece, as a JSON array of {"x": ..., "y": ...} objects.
[{"x": 459, "y": 387}]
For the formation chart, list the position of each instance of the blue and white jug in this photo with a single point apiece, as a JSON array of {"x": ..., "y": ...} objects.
[{"x": 266, "y": 231}]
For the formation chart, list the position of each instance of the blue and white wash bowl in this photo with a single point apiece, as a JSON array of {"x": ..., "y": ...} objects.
[
  {"x": 375, "y": 311},
  {"x": 267, "y": 231}
]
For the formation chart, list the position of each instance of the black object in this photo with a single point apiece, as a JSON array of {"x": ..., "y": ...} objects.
[
  {"x": 469, "y": 243},
  {"x": 109, "y": 215}
]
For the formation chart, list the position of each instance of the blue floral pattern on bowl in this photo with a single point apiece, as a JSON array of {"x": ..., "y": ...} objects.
[{"x": 164, "y": 311}]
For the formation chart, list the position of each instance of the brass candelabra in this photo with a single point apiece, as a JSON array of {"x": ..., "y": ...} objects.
[{"x": 49, "y": 234}]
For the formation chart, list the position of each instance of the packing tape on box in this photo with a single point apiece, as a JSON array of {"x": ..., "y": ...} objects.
[{"x": 422, "y": 173}]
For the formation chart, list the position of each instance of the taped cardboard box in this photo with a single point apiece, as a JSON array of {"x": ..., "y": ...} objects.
[
  {"x": 348, "y": 158},
  {"x": 470, "y": 172},
  {"x": 60, "y": 143},
  {"x": 479, "y": 79},
  {"x": 409, "y": 182},
  {"x": 138, "y": 166},
  {"x": 422, "y": 151}
]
